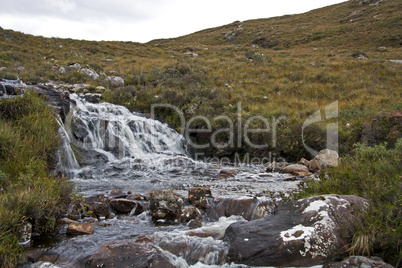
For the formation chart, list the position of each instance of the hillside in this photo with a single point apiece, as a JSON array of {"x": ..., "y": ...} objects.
[
  {"x": 356, "y": 23},
  {"x": 287, "y": 67}
]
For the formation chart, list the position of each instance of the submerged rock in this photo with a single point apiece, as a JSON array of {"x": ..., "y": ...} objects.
[
  {"x": 128, "y": 253},
  {"x": 306, "y": 232}
]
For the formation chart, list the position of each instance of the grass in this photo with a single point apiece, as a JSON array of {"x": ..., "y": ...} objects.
[
  {"x": 29, "y": 191},
  {"x": 373, "y": 173}
]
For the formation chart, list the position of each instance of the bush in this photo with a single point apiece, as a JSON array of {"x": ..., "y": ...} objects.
[{"x": 28, "y": 192}]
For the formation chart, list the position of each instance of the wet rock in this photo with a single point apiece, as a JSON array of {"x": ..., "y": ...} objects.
[
  {"x": 25, "y": 233},
  {"x": 327, "y": 158},
  {"x": 90, "y": 73},
  {"x": 198, "y": 196},
  {"x": 110, "y": 216},
  {"x": 128, "y": 253},
  {"x": 127, "y": 206},
  {"x": 226, "y": 173},
  {"x": 92, "y": 97},
  {"x": 359, "y": 261},
  {"x": 194, "y": 223},
  {"x": 295, "y": 169},
  {"x": 305, "y": 232},
  {"x": 165, "y": 205},
  {"x": 189, "y": 213},
  {"x": 100, "y": 209},
  {"x": 80, "y": 228},
  {"x": 55, "y": 97},
  {"x": 115, "y": 81},
  {"x": 248, "y": 208}
]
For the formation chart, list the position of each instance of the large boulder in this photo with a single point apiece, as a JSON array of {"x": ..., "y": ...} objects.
[
  {"x": 115, "y": 81},
  {"x": 127, "y": 253},
  {"x": 306, "y": 232},
  {"x": 90, "y": 73},
  {"x": 165, "y": 205}
]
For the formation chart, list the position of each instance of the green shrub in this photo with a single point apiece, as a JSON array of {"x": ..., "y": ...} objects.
[{"x": 28, "y": 190}]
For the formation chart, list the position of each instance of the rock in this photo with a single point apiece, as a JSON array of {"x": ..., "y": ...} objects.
[
  {"x": 294, "y": 169},
  {"x": 198, "y": 196},
  {"x": 194, "y": 223},
  {"x": 110, "y": 216},
  {"x": 165, "y": 205},
  {"x": 305, "y": 232},
  {"x": 127, "y": 253},
  {"x": 359, "y": 261},
  {"x": 90, "y": 73},
  {"x": 25, "y": 233},
  {"x": 92, "y": 97},
  {"x": 327, "y": 158},
  {"x": 80, "y": 228},
  {"x": 56, "y": 98},
  {"x": 115, "y": 81},
  {"x": 313, "y": 165},
  {"x": 127, "y": 206},
  {"x": 304, "y": 162},
  {"x": 226, "y": 173},
  {"x": 248, "y": 208},
  {"x": 189, "y": 213},
  {"x": 76, "y": 66},
  {"x": 100, "y": 209}
]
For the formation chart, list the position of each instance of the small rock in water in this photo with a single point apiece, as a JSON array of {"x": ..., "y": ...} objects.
[
  {"x": 198, "y": 196},
  {"x": 80, "y": 228},
  {"x": 126, "y": 206}
]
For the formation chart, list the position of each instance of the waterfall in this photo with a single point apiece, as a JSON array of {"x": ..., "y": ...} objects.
[
  {"x": 67, "y": 161},
  {"x": 116, "y": 132}
]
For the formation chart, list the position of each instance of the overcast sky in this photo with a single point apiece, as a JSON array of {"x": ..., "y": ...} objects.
[{"x": 138, "y": 20}]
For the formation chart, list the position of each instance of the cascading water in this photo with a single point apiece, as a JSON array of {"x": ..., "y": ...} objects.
[{"x": 118, "y": 149}]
